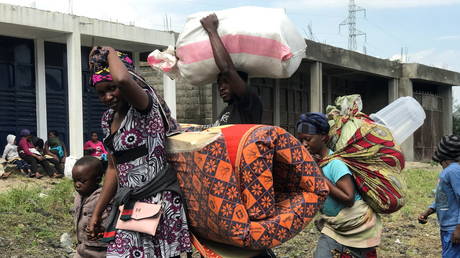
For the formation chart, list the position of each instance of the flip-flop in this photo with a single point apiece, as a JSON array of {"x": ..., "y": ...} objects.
[
  {"x": 58, "y": 176},
  {"x": 38, "y": 176}
]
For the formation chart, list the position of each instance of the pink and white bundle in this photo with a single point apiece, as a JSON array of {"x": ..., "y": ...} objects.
[{"x": 262, "y": 42}]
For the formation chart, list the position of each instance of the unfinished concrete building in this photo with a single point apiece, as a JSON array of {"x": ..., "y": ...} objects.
[{"x": 44, "y": 81}]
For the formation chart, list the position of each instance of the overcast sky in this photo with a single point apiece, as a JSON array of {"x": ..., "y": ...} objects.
[{"x": 428, "y": 29}]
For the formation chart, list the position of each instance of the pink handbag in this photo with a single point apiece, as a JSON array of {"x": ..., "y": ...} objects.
[{"x": 145, "y": 218}]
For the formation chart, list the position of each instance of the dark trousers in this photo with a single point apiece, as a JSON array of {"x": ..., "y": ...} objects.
[
  {"x": 57, "y": 165},
  {"x": 33, "y": 162},
  {"x": 329, "y": 248}
]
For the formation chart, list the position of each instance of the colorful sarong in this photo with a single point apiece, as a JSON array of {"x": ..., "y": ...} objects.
[
  {"x": 357, "y": 226},
  {"x": 370, "y": 152},
  {"x": 251, "y": 186}
]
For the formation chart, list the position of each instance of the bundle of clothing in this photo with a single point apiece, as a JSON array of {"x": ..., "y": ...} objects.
[
  {"x": 369, "y": 150},
  {"x": 250, "y": 186}
]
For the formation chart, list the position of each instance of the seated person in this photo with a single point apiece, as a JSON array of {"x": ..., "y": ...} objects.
[
  {"x": 28, "y": 153},
  {"x": 39, "y": 149},
  {"x": 95, "y": 148},
  {"x": 55, "y": 147},
  {"x": 11, "y": 155}
]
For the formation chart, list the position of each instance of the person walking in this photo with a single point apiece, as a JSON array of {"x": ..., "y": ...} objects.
[{"x": 135, "y": 128}]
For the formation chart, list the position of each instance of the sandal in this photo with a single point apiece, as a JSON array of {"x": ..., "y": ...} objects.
[
  {"x": 38, "y": 175},
  {"x": 5, "y": 175},
  {"x": 56, "y": 175}
]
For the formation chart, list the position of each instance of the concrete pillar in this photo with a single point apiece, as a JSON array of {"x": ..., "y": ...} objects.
[
  {"x": 316, "y": 87},
  {"x": 406, "y": 89},
  {"x": 136, "y": 60},
  {"x": 393, "y": 87},
  {"x": 75, "y": 93},
  {"x": 447, "y": 105},
  {"x": 169, "y": 86},
  {"x": 217, "y": 103},
  {"x": 169, "y": 93},
  {"x": 40, "y": 88},
  {"x": 329, "y": 99},
  {"x": 277, "y": 102}
]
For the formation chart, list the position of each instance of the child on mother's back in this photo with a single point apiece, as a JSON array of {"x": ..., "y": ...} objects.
[{"x": 87, "y": 175}]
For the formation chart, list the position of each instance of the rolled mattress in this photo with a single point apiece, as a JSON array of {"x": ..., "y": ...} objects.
[{"x": 251, "y": 186}]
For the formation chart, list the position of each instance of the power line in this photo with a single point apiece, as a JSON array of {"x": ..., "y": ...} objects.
[{"x": 351, "y": 22}]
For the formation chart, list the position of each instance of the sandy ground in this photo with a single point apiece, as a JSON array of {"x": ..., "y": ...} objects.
[{"x": 18, "y": 180}]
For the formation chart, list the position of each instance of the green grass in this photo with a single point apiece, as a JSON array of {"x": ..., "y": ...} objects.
[
  {"x": 32, "y": 219},
  {"x": 401, "y": 225},
  {"x": 420, "y": 185},
  {"x": 31, "y": 225}
]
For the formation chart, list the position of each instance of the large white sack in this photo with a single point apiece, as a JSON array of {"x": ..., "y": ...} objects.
[
  {"x": 262, "y": 42},
  {"x": 68, "y": 166}
]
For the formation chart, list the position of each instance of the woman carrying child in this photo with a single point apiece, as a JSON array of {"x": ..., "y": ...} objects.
[
  {"x": 349, "y": 227},
  {"x": 29, "y": 153},
  {"x": 55, "y": 148},
  {"x": 135, "y": 129}
]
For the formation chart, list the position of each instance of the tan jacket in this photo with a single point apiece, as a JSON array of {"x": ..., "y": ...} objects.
[{"x": 83, "y": 211}]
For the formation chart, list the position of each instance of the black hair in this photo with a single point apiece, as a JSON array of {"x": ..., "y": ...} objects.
[
  {"x": 93, "y": 162},
  {"x": 243, "y": 75},
  {"x": 37, "y": 142},
  {"x": 54, "y": 132}
]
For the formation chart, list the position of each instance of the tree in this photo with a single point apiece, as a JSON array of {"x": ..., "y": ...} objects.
[{"x": 456, "y": 119}]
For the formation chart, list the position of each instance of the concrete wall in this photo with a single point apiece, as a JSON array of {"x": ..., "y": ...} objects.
[
  {"x": 193, "y": 104},
  {"x": 351, "y": 60},
  {"x": 201, "y": 104}
]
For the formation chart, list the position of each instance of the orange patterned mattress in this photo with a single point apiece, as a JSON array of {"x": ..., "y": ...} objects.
[{"x": 251, "y": 186}]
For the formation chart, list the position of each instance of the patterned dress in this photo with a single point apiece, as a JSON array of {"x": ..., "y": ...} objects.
[{"x": 139, "y": 150}]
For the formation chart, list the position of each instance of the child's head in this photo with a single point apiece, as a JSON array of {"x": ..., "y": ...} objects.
[
  {"x": 94, "y": 137},
  {"x": 11, "y": 139},
  {"x": 448, "y": 150},
  {"x": 38, "y": 143},
  {"x": 87, "y": 174}
]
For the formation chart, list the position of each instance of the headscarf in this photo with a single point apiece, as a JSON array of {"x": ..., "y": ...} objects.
[
  {"x": 10, "y": 139},
  {"x": 100, "y": 72},
  {"x": 24, "y": 132},
  {"x": 54, "y": 141},
  {"x": 313, "y": 123},
  {"x": 448, "y": 149},
  {"x": 99, "y": 65}
]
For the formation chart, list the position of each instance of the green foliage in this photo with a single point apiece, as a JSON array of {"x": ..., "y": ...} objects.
[
  {"x": 33, "y": 219},
  {"x": 420, "y": 185},
  {"x": 456, "y": 119}
]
